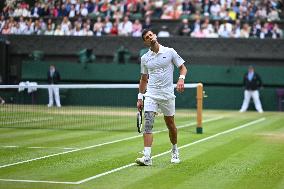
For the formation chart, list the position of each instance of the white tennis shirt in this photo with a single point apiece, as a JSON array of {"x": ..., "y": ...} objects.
[{"x": 160, "y": 67}]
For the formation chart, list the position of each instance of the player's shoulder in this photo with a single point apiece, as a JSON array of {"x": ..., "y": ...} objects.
[
  {"x": 145, "y": 56},
  {"x": 168, "y": 49}
]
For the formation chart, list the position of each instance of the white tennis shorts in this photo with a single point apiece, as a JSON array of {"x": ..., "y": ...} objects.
[{"x": 167, "y": 106}]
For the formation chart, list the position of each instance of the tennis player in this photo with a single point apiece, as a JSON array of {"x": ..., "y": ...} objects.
[{"x": 157, "y": 67}]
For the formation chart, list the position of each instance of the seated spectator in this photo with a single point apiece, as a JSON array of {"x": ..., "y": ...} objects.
[
  {"x": 35, "y": 10},
  {"x": 136, "y": 28},
  {"x": 54, "y": 11},
  {"x": 167, "y": 13},
  {"x": 49, "y": 30},
  {"x": 164, "y": 32},
  {"x": 16, "y": 29},
  {"x": 147, "y": 24},
  {"x": 30, "y": 28},
  {"x": 245, "y": 31},
  {"x": 225, "y": 29},
  {"x": 6, "y": 29},
  {"x": 158, "y": 10},
  {"x": 171, "y": 12},
  {"x": 215, "y": 9},
  {"x": 236, "y": 32},
  {"x": 50, "y": 22},
  {"x": 44, "y": 11},
  {"x": 184, "y": 29},
  {"x": 58, "y": 30},
  {"x": 2, "y": 22},
  {"x": 83, "y": 10},
  {"x": 72, "y": 12},
  {"x": 105, "y": 8},
  {"x": 62, "y": 11},
  {"x": 266, "y": 31},
  {"x": 199, "y": 33},
  {"x": 86, "y": 30},
  {"x": 114, "y": 29},
  {"x": 65, "y": 25},
  {"x": 208, "y": 29},
  {"x": 273, "y": 15},
  {"x": 23, "y": 25},
  {"x": 276, "y": 32},
  {"x": 98, "y": 27},
  {"x": 77, "y": 30},
  {"x": 188, "y": 8},
  {"x": 125, "y": 27},
  {"x": 37, "y": 28},
  {"x": 256, "y": 29},
  {"x": 107, "y": 25}
]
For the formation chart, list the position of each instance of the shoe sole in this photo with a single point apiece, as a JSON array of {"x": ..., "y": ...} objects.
[
  {"x": 175, "y": 162},
  {"x": 141, "y": 163}
]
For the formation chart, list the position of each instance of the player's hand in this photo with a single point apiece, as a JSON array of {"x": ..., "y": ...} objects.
[
  {"x": 180, "y": 85},
  {"x": 139, "y": 104}
]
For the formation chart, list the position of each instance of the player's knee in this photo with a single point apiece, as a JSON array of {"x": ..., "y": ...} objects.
[{"x": 149, "y": 122}]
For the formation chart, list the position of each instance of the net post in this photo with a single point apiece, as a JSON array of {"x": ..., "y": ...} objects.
[{"x": 199, "y": 99}]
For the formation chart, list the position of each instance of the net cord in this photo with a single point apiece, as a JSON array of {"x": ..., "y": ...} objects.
[{"x": 86, "y": 86}]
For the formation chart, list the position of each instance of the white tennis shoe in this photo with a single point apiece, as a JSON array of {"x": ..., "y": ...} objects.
[
  {"x": 145, "y": 160},
  {"x": 175, "y": 157}
]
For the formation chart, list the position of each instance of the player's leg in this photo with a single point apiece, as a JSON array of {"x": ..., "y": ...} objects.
[
  {"x": 57, "y": 97},
  {"x": 168, "y": 109},
  {"x": 2, "y": 101},
  {"x": 170, "y": 122},
  {"x": 50, "y": 96},
  {"x": 256, "y": 100},
  {"x": 150, "y": 107},
  {"x": 247, "y": 96}
]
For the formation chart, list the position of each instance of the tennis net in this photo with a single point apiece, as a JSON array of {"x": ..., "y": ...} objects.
[{"x": 110, "y": 107}]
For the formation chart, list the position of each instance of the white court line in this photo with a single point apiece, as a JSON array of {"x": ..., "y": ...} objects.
[
  {"x": 98, "y": 145},
  {"x": 132, "y": 164},
  {"x": 184, "y": 146},
  {"x": 108, "y": 172},
  {"x": 37, "y": 181}
]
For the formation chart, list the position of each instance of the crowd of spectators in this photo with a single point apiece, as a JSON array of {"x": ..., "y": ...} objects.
[{"x": 199, "y": 18}]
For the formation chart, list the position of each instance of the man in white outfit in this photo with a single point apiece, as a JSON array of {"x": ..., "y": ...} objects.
[
  {"x": 157, "y": 67},
  {"x": 53, "y": 77},
  {"x": 252, "y": 83}
]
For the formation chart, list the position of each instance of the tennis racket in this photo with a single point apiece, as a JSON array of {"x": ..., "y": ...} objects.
[{"x": 139, "y": 121}]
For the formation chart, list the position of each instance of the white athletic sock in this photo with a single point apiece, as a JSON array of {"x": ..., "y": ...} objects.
[
  {"x": 175, "y": 148},
  {"x": 147, "y": 151}
]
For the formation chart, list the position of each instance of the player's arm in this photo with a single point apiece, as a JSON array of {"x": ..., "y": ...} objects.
[
  {"x": 180, "y": 83},
  {"x": 142, "y": 88}
]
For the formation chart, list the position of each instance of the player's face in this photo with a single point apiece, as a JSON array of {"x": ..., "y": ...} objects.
[{"x": 150, "y": 38}]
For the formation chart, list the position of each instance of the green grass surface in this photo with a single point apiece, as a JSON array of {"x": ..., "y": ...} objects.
[{"x": 77, "y": 143}]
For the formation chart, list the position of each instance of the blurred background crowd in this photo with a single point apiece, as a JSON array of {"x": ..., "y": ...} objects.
[{"x": 196, "y": 18}]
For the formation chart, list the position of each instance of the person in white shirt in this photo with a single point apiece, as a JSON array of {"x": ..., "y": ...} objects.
[
  {"x": 125, "y": 27},
  {"x": 157, "y": 67}
]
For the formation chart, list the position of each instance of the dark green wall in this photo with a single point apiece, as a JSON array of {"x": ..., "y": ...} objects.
[{"x": 223, "y": 84}]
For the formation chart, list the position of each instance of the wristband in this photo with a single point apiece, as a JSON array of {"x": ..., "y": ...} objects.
[
  {"x": 140, "y": 96},
  {"x": 182, "y": 77}
]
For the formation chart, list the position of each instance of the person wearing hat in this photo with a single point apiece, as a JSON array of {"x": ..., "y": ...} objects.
[{"x": 252, "y": 82}]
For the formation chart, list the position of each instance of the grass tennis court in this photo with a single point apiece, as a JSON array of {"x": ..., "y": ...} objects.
[{"x": 73, "y": 147}]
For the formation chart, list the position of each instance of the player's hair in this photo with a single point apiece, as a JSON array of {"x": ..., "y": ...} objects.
[{"x": 144, "y": 33}]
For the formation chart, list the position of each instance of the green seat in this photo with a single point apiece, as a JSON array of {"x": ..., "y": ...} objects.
[
  {"x": 37, "y": 56},
  {"x": 136, "y": 16},
  {"x": 122, "y": 55},
  {"x": 86, "y": 56}
]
